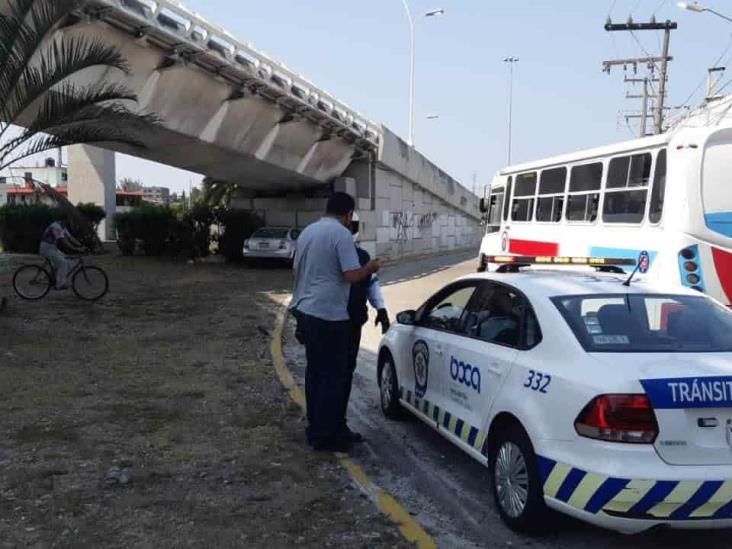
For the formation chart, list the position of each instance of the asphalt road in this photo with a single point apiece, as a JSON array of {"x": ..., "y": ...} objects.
[{"x": 447, "y": 491}]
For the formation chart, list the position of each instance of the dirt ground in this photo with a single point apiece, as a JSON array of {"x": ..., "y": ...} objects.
[{"x": 154, "y": 419}]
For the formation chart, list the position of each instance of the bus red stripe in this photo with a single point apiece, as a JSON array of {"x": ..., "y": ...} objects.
[
  {"x": 533, "y": 247},
  {"x": 723, "y": 264}
]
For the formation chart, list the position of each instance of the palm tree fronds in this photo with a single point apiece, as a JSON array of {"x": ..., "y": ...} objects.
[
  {"x": 23, "y": 31},
  {"x": 37, "y": 84},
  {"x": 58, "y": 63}
]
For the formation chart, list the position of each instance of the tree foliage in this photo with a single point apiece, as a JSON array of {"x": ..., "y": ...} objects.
[
  {"x": 37, "y": 91},
  {"x": 128, "y": 184},
  {"x": 218, "y": 193}
]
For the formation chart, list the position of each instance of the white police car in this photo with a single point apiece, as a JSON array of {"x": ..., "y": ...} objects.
[{"x": 608, "y": 402}]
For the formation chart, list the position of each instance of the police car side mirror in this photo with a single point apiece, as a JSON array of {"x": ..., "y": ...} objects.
[{"x": 408, "y": 318}]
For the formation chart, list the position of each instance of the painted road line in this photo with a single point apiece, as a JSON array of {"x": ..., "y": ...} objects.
[{"x": 385, "y": 502}]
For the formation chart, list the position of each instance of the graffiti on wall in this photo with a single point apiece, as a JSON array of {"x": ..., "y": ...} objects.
[{"x": 403, "y": 221}]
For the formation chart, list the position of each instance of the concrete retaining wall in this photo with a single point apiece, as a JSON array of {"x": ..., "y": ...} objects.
[{"x": 407, "y": 205}]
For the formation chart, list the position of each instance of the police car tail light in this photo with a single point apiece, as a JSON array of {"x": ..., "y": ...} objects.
[{"x": 618, "y": 418}]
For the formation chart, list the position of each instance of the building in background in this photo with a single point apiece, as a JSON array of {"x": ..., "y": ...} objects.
[
  {"x": 50, "y": 174},
  {"x": 4, "y": 188},
  {"x": 157, "y": 195},
  {"x": 126, "y": 200}
]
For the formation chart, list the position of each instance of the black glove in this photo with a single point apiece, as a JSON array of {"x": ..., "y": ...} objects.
[{"x": 382, "y": 317}]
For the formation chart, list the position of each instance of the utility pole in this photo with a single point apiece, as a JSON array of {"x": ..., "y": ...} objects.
[
  {"x": 645, "y": 96},
  {"x": 631, "y": 26},
  {"x": 511, "y": 62},
  {"x": 658, "y": 118}
]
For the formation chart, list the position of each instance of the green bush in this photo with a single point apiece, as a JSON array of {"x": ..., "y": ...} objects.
[
  {"x": 95, "y": 214},
  {"x": 21, "y": 226},
  {"x": 238, "y": 225},
  {"x": 126, "y": 235},
  {"x": 149, "y": 223}
]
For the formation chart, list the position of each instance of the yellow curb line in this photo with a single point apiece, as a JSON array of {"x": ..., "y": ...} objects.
[{"x": 384, "y": 502}]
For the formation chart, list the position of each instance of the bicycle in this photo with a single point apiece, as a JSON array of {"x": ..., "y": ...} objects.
[{"x": 33, "y": 282}]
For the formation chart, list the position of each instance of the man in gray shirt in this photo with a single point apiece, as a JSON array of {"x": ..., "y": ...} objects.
[{"x": 326, "y": 264}]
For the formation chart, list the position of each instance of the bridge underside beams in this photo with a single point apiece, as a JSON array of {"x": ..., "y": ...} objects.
[{"x": 215, "y": 127}]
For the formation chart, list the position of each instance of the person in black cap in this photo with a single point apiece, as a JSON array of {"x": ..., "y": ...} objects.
[{"x": 362, "y": 293}]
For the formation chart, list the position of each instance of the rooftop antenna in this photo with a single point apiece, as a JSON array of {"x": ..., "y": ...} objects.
[
  {"x": 642, "y": 265},
  {"x": 630, "y": 278}
]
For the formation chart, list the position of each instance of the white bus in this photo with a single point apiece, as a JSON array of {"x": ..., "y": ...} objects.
[{"x": 668, "y": 196}]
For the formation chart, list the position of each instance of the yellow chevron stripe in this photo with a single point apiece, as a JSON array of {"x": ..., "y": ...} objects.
[
  {"x": 453, "y": 424},
  {"x": 479, "y": 440},
  {"x": 630, "y": 495},
  {"x": 465, "y": 435},
  {"x": 720, "y": 498},
  {"x": 675, "y": 499},
  {"x": 556, "y": 478},
  {"x": 586, "y": 489}
]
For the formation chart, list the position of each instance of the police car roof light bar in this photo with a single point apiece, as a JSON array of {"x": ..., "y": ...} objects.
[{"x": 560, "y": 260}]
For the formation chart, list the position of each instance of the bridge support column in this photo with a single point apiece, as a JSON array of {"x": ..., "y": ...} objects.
[{"x": 92, "y": 178}]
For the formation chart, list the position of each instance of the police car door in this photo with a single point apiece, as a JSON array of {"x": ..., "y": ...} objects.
[
  {"x": 438, "y": 322},
  {"x": 481, "y": 356}
]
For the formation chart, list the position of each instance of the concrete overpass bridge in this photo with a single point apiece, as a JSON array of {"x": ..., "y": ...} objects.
[{"x": 232, "y": 113}]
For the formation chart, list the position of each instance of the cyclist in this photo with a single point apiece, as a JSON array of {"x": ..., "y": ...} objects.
[{"x": 55, "y": 241}]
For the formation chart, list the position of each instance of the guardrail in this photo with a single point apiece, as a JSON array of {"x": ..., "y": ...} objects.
[{"x": 185, "y": 27}]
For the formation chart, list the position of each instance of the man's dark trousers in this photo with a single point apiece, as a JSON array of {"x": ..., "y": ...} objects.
[
  {"x": 354, "y": 344},
  {"x": 326, "y": 376}
]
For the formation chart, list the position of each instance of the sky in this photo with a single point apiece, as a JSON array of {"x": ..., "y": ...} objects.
[{"x": 359, "y": 52}]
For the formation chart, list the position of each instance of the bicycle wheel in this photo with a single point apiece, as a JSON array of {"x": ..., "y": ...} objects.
[
  {"x": 32, "y": 282},
  {"x": 90, "y": 283}
]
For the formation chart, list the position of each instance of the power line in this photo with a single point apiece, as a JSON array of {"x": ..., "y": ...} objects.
[
  {"x": 660, "y": 96},
  {"x": 637, "y": 5},
  {"x": 660, "y": 5},
  {"x": 703, "y": 80}
]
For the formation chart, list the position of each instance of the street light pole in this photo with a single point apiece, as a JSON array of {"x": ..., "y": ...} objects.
[
  {"x": 431, "y": 13},
  {"x": 700, "y": 8},
  {"x": 411, "y": 73},
  {"x": 511, "y": 61}
]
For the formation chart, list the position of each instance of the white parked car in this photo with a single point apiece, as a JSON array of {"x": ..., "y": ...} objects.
[
  {"x": 272, "y": 243},
  {"x": 607, "y": 402}
]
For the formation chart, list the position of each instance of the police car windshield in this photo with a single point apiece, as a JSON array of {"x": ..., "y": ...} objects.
[{"x": 647, "y": 323}]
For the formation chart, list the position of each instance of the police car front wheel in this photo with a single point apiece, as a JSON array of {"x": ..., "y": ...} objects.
[
  {"x": 515, "y": 481},
  {"x": 389, "y": 388}
]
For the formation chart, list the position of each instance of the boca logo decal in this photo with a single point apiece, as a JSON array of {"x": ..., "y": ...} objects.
[
  {"x": 465, "y": 374},
  {"x": 421, "y": 361}
]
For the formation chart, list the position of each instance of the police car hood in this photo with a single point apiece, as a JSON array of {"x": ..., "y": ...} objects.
[{"x": 691, "y": 395}]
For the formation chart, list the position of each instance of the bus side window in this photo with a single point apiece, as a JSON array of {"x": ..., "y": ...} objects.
[
  {"x": 659, "y": 188},
  {"x": 550, "y": 204},
  {"x": 582, "y": 202},
  {"x": 507, "y": 199},
  {"x": 522, "y": 208},
  {"x": 627, "y": 189}
]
